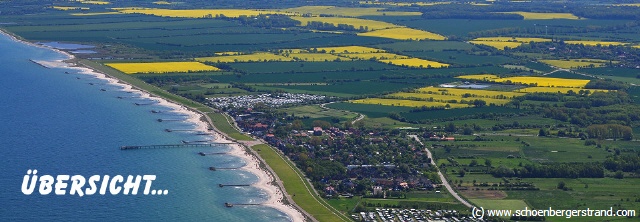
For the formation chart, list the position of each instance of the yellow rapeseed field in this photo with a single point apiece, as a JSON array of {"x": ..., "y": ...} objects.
[
  {"x": 630, "y": 4},
  {"x": 446, "y": 98},
  {"x": 355, "y": 22},
  {"x": 536, "y": 16},
  {"x": 414, "y": 62},
  {"x": 479, "y": 4},
  {"x": 498, "y": 45},
  {"x": 161, "y": 67},
  {"x": 474, "y": 93},
  {"x": 403, "y": 33},
  {"x": 314, "y": 57},
  {"x": 512, "y": 39},
  {"x": 576, "y": 63},
  {"x": 344, "y": 11},
  {"x": 636, "y": 46},
  {"x": 554, "y": 90},
  {"x": 163, "y": 3},
  {"x": 479, "y": 77},
  {"x": 94, "y": 13},
  {"x": 375, "y": 55},
  {"x": 95, "y": 2},
  {"x": 595, "y": 43},
  {"x": 349, "y": 49},
  {"x": 255, "y": 57},
  {"x": 406, "y": 103},
  {"x": 545, "y": 81},
  {"x": 66, "y": 8}
]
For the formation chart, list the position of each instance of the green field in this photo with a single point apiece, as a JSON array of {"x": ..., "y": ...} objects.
[
  {"x": 372, "y": 111},
  {"x": 457, "y": 113},
  {"x": 315, "y": 111},
  {"x": 500, "y": 204},
  {"x": 426, "y": 46},
  {"x": 347, "y": 89},
  {"x": 462, "y": 58},
  {"x": 310, "y": 67}
]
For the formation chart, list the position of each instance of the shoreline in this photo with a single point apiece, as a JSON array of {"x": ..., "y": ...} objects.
[{"x": 265, "y": 178}]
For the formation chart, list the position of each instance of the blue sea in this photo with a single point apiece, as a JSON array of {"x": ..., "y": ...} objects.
[{"x": 73, "y": 124}]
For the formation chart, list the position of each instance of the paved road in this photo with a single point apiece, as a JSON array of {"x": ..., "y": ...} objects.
[
  {"x": 360, "y": 115},
  {"x": 442, "y": 178}
]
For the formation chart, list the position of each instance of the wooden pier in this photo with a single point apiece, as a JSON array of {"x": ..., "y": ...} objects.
[
  {"x": 172, "y": 146},
  {"x": 127, "y": 97},
  {"x": 234, "y": 185},
  {"x": 223, "y": 168},
  {"x": 145, "y": 104},
  {"x": 214, "y": 153},
  {"x": 196, "y": 141},
  {"x": 40, "y": 64},
  {"x": 170, "y": 120},
  {"x": 227, "y": 204},
  {"x": 179, "y": 130}
]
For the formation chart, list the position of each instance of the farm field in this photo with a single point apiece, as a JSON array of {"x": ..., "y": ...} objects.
[
  {"x": 257, "y": 57},
  {"x": 193, "y": 13},
  {"x": 403, "y": 34},
  {"x": 512, "y": 39},
  {"x": 345, "y": 53},
  {"x": 576, "y": 63},
  {"x": 408, "y": 103},
  {"x": 161, "y": 67},
  {"x": 595, "y": 43},
  {"x": 548, "y": 82},
  {"x": 422, "y": 46},
  {"x": 544, "y": 16},
  {"x": 462, "y": 58},
  {"x": 553, "y": 90},
  {"x": 498, "y": 44},
  {"x": 471, "y": 92},
  {"x": 343, "y": 11},
  {"x": 445, "y": 98},
  {"x": 95, "y": 2},
  {"x": 370, "y": 25},
  {"x": 415, "y": 63},
  {"x": 67, "y": 8},
  {"x": 375, "y": 56},
  {"x": 528, "y": 80}
]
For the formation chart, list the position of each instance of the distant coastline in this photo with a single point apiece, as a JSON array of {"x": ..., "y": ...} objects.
[{"x": 203, "y": 123}]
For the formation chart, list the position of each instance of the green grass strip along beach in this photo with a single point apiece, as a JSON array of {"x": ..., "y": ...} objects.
[{"x": 295, "y": 184}]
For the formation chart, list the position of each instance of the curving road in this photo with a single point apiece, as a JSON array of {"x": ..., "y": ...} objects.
[{"x": 442, "y": 178}]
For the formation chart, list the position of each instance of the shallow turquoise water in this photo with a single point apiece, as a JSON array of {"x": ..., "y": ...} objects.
[{"x": 64, "y": 124}]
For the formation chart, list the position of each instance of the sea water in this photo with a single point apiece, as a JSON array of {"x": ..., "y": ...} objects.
[{"x": 61, "y": 122}]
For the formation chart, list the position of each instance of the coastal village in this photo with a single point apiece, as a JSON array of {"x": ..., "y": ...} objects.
[{"x": 341, "y": 160}]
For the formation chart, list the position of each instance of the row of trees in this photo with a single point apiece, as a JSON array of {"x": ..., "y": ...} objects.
[
  {"x": 268, "y": 21},
  {"x": 610, "y": 131},
  {"x": 625, "y": 163},
  {"x": 556, "y": 170}
]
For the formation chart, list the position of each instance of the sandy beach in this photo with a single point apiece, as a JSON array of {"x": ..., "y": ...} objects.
[{"x": 276, "y": 195}]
